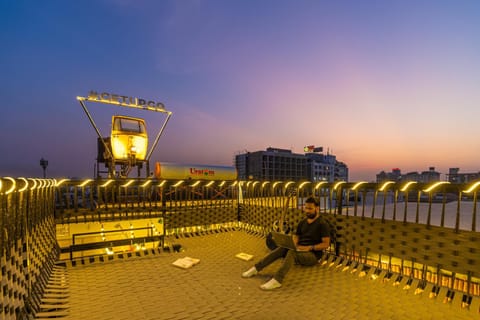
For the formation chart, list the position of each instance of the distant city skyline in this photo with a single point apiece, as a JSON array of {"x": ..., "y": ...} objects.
[{"x": 381, "y": 85}]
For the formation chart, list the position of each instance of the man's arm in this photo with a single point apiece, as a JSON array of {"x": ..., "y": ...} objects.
[
  {"x": 316, "y": 247},
  {"x": 325, "y": 244},
  {"x": 300, "y": 248},
  {"x": 295, "y": 240}
]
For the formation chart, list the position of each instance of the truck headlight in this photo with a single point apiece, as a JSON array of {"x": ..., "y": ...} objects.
[{"x": 119, "y": 148}]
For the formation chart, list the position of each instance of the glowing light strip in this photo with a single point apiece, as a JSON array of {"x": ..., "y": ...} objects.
[
  {"x": 275, "y": 184},
  {"x": 472, "y": 187},
  {"x": 234, "y": 184},
  {"x": 0, "y": 185},
  {"x": 302, "y": 184},
  {"x": 106, "y": 183},
  {"x": 128, "y": 183},
  {"x": 195, "y": 184},
  {"x": 25, "y": 186},
  {"x": 13, "y": 185},
  {"x": 319, "y": 184},
  {"x": 385, "y": 185},
  {"x": 34, "y": 183},
  {"x": 338, "y": 184},
  {"x": 146, "y": 183},
  {"x": 221, "y": 184},
  {"x": 248, "y": 183},
  {"x": 408, "y": 184},
  {"x": 358, "y": 184},
  {"x": 84, "y": 183},
  {"x": 265, "y": 183},
  {"x": 436, "y": 184},
  {"x": 61, "y": 181},
  {"x": 255, "y": 183},
  {"x": 209, "y": 184},
  {"x": 178, "y": 183},
  {"x": 288, "y": 183},
  {"x": 161, "y": 184}
]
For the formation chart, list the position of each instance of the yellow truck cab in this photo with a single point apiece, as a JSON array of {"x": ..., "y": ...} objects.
[{"x": 129, "y": 140}]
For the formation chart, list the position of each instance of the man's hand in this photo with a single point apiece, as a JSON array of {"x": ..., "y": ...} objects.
[{"x": 303, "y": 248}]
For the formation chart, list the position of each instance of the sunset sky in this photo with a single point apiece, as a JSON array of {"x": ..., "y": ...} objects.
[{"x": 380, "y": 84}]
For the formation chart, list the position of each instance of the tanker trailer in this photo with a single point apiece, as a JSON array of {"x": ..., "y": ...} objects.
[{"x": 176, "y": 171}]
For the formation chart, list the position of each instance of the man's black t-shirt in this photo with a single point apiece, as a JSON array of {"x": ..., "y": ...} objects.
[{"x": 312, "y": 233}]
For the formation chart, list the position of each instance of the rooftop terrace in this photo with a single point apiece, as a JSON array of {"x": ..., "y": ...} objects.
[
  {"x": 402, "y": 251},
  {"x": 149, "y": 287}
]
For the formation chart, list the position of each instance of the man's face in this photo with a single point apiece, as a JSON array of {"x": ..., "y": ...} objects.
[{"x": 310, "y": 210}]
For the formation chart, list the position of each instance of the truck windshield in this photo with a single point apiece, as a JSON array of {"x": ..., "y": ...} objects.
[{"x": 129, "y": 125}]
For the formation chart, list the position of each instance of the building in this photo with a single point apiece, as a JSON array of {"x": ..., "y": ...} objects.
[
  {"x": 429, "y": 176},
  {"x": 325, "y": 167},
  {"x": 424, "y": 177},
  {"x": 281, "y": 164},
  {"x": 272, "y": 164},
  {"x": 395, "y": 175},
  {"x": 454, "y": 176}
]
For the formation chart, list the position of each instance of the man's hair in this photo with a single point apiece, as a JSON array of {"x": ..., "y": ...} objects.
[{"x": 311, "y": 199}]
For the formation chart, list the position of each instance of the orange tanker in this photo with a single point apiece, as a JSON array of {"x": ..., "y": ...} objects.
[{"x": 176, "y": 171}]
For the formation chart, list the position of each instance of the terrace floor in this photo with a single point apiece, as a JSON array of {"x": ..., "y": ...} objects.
[{"x": 151, "y": 288}]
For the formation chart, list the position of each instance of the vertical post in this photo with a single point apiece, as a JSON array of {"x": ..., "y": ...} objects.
[
  {"x": 44, "y": 165},
  {"x": 474, "y": 213}
]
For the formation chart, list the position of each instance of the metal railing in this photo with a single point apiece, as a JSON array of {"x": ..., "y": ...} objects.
[
  {"x": 445, "y": 205},
  {"x": 420, "y": 231},
  {"x": 28, "y": 243}
]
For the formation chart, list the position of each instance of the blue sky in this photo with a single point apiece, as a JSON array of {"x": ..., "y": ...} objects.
[{"x": 380, "y": 84}]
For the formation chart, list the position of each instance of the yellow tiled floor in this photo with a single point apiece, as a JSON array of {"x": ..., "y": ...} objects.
[{"x": 151, "y": 288}]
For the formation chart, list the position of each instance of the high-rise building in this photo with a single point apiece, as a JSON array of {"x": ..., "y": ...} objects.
[{"x": 281, "y": 164}]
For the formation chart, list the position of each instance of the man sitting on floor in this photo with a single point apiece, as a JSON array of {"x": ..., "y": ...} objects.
[{"x": 311, "y": 238}]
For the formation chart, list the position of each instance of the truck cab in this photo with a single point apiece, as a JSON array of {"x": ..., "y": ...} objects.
[{"x": 129, "y": 140}]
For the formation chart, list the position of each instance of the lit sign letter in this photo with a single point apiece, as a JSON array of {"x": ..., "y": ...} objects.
[
  {"x": 117, "y": 99},
  {"x": 93, "y": 95}
]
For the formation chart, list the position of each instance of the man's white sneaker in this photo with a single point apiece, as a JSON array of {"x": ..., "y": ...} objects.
[
  {"x": 250, "y": 272},
  {"x": 271, "y": 284}
]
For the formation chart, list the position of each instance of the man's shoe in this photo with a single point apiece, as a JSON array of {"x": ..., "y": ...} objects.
[
  {"x": 250, "y": 273},
  {"x": 271, "y": 284}
]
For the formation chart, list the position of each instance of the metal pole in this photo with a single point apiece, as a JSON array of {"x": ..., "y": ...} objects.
[
  {"x": 158, "y": 137},
  {"x": 95, "y": 127},
  {"x": 44, "y": 164}
]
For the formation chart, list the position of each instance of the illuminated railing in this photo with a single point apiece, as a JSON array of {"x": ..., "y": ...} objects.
[
  {"x": 426, "y": 232},
  {"x": 28, "y": 243},
  {"x": 440, "y": 204}
]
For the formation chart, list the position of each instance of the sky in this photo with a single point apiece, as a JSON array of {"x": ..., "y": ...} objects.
[{"x": 379, "y": 84}]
